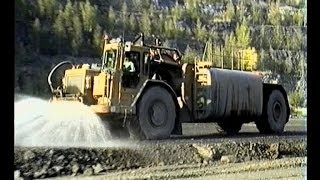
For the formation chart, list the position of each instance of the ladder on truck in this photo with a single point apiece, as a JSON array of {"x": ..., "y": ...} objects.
[{"x": 201, "y": 83}]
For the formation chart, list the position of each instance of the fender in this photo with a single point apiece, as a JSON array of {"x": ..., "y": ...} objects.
[{"x": 152, "y": 82}]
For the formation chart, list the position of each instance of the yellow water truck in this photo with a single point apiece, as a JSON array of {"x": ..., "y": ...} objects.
[{"x": 151, "y": 101}]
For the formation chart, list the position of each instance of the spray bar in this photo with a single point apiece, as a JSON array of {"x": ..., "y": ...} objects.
[{"x": 54, "y": 69}]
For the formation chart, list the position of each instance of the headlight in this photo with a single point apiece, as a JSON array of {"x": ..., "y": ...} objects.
[
  {"x": 88, "y": 82},
  {"x": 64, "y": 82}
]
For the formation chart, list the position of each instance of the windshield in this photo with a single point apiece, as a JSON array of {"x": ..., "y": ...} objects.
[{"x": 109, "y": 59}]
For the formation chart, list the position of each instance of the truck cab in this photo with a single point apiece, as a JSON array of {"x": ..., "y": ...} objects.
[{"x": 114, "y": 88}]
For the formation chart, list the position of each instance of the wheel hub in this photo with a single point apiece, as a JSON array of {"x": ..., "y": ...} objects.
[
  {"x": 157, "y": 113},
  {"x": 277, "y": 111}
]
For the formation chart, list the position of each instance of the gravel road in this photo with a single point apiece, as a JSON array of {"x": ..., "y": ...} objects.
[
  {"x": 295, "y": 125},
  {"x": 55, "y": 162},
  {"x": 286, "y": 168},
  {"x": 201, "y": 155}
]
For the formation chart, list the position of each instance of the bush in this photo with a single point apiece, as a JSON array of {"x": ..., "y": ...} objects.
[{"x": 295, "y": 101}]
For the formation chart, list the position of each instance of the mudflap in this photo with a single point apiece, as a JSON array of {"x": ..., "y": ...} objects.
[
  {"x": 184, "y": 115},
  {"x": 177, "y": 128},
  {"x": 114, "y": 124}
]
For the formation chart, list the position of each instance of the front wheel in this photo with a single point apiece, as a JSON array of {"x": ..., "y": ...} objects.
[
  {"x": 276, "y": 114},
  {"x": 156, "y": 115}
]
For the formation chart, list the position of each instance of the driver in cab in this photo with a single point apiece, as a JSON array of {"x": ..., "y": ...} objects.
[
  {"x": 129, "y": 73},
  {"x": 128, "y": 65}
]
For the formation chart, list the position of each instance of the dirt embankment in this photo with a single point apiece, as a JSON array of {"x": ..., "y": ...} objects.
[{"x": 53, "y": 162}]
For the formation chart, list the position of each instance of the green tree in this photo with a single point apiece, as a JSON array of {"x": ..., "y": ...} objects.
[
  {"x": 298, "y": 18},
  {"x": 41, "y": 7},
  {"x": 166, "y": 43},
  {"x": 230, "y": 11},
  {"x": 229, "y": 48},
  {"x": 111, "y": 19},
  {"x": 88, "y": 13},
  {"x": 189, "y": 55},
  {"x": 189, "y": 4},
  {"x": 77, "y": 35},
  {"x": 59, "y": 31},
  {"x": 137, "y": 4},
  {"x": 97, "y": 38},
  {"x": 200, "y": 32},
  {"x": 176, "y": 13},
  {"x": 264, "y": 39},
  {"x": 36, "y": 33},
  {"x": 257, "y": 15},
  {"x": 261, "y": 60},
  {"x": 124, "y": 16},
  {"x": 294, "y": 40},
  {"x": 277, "y": 37},
  {"x": 240, "y": 11},
  {"x": 67, "y": 15},
  {"x": 151, "y": 10},
  {"x": 161, "y": 28},
  {"x": 153, "y": 18},
  {"x": 145, "y": 4},
  {"x": 170, "y": 28},
  {"x": 295, "y": 101},
  {"x": 146, "y": 23},
  {"x": 133, "y": 23},
  {"x": 212, "y": 53},
  {"x": 192, "y": 9},
  {"x": 217, "y": 55},
  {"x": 274, "y": 15},
  {"x": 47, "y": 8},
  {"x": 242, "y": 34}
]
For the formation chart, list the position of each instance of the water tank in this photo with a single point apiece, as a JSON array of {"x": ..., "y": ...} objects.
[{"x": 230, "y": 93}]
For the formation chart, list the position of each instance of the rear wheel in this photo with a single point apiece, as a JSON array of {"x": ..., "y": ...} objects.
[
  {"x": 156, "y": 115},
  {"x": 276, "y": 114}
]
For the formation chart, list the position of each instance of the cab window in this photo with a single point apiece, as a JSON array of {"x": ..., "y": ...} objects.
[{"x": 131, "y": 69}]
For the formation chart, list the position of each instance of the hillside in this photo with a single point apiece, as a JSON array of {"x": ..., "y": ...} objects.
[{"x": 47, "y": 30}]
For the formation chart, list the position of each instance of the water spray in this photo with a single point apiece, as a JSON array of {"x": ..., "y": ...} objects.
[{"x": 60, "y": 124}]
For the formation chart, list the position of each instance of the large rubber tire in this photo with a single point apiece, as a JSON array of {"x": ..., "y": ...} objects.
[
  {"x": 134, "y": 129},
  {"x": 156, "y": 115},
  {"x": 276, "y": 114},
  {"x": 229, "y": 128}
]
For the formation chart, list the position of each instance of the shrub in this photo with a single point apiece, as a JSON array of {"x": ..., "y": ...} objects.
[{"x": 295, "y": 101}]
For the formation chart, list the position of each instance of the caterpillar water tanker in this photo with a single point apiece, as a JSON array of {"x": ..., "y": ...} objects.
[{"x": 147, "y": 90}]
